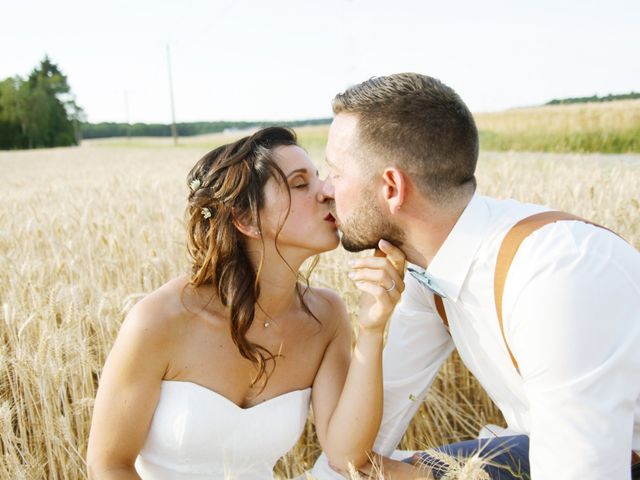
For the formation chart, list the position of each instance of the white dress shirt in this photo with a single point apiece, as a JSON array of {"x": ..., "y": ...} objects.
[{"x": 571, "y": 312}]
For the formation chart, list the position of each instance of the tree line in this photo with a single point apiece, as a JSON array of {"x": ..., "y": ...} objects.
[
  {"x": 595, "y": 98},
  {"x": 112, "y": 129},
  {"x": 39, "y": 111}
]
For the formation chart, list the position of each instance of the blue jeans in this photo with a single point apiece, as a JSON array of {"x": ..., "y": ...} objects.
[{"x": 509, "y": 457}]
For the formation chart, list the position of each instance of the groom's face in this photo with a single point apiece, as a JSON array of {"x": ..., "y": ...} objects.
[{"x": 359, "y": 210}]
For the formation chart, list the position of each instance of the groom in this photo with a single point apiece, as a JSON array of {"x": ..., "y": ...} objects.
[{"x": 543, "y": 308}]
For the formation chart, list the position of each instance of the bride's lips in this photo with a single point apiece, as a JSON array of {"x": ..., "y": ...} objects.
[{"x": 330, "y": 218}]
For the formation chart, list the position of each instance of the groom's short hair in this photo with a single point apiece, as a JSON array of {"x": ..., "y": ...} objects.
[{"x": 418, "y": 123}]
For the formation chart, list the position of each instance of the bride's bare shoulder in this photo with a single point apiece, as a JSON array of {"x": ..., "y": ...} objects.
[
  {"x": 329, "y": 307},
  {"x": 161, "y": 314}
]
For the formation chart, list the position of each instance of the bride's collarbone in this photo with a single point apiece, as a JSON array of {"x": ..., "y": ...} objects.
[
  {"x": 226, "y": 372},
  {"x": 208, "y": 356}
]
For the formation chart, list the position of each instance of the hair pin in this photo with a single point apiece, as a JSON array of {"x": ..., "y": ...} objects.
[
  {"x": 206, "y": 213},
  {"x": 195, "y": 184}
]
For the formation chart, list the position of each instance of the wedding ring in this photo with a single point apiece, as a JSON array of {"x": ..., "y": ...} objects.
[{"x": 393, "y": 285}]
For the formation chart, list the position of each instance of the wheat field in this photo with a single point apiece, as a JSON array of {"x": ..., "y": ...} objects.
[
  {"x": 612, "y": 127},
  {"x": 88, "y": 231}
]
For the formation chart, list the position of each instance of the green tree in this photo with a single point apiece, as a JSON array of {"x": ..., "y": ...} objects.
[
  {"x": 11, "y": 114},
  {"x": 40, "y": 111}
]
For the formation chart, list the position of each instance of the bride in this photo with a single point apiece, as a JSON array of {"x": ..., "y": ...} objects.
[{"x": 211, "y": 375}]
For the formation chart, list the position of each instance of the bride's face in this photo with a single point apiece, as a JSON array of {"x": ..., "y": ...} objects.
[{"x": 309, "y": 227}]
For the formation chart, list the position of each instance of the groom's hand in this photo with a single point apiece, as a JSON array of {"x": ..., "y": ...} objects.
[{"x": 380, "y": 279}]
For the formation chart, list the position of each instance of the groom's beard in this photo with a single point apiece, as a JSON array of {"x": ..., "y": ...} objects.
[{"x": 366, "y": 226}]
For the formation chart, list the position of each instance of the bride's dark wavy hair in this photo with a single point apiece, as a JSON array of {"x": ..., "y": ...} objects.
[{"x": 230, "y": 183}]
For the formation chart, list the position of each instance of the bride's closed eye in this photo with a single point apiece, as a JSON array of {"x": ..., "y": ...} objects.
[{"x": 299, "y": 182}]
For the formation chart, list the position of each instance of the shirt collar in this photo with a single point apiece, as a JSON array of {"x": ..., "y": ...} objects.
[{"x": 451, "y": 264}]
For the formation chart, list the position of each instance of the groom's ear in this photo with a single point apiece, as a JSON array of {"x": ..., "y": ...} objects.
[{"x": 394, "y": 188}]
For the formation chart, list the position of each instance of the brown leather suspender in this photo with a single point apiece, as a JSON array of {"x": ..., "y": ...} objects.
[
  {"x": 510, "y": 244},
  {"x": 507, "y": 252},
  {"x": 441, "y": 311},
  {"x": 512, "y": 241}
]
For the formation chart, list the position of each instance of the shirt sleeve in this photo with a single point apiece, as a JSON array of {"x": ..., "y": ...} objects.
[
  {"x": 417, "y": 345},
  {"x": 574, "y": 328}
]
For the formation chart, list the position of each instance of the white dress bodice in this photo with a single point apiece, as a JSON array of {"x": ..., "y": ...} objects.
[{"x": 197, "y": 433}]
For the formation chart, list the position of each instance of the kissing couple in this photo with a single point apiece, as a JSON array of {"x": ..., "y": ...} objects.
[{"x": 212, "y": 375}]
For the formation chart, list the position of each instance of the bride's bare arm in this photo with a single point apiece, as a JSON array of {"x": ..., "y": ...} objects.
[
  {"x": 347, "y": 393},
  {"x": 128, "y": 393}
]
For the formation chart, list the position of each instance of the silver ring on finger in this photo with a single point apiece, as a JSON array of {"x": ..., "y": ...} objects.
[{"x": 393, "y": 285}]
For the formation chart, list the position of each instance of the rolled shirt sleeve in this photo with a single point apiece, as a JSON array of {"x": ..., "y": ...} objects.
[{"x": 574, "y": 327}]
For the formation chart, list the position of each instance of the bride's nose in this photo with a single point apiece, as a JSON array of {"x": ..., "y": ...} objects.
[{"x": 326, "y": 191}]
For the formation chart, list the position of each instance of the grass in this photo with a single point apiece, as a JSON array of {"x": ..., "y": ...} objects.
[
  {"x": 610, "y": 127},
  {"x": 88, "y": 231}
]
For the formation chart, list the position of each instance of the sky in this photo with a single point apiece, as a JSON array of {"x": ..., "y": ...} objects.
[{"x": 286, "y": 59}]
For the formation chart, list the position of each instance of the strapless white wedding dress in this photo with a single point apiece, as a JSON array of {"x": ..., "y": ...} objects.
[{"x": 197, "y": 433}]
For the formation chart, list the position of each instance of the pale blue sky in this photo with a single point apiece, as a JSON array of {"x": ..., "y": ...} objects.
[{"x": 285, "y": 59}]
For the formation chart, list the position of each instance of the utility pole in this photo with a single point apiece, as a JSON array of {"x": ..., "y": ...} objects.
[
  {"x": 126, "y": 114},
  {"x": 174, "y": 130}
]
